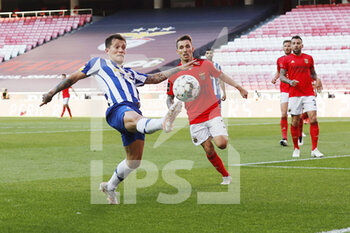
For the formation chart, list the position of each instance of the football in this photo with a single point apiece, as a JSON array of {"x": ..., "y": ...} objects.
[{"x": 186, "y": 88}]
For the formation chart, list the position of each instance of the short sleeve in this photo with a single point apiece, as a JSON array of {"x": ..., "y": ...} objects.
[
  {"x": 311, "y": 63},
  {"x": 213, "y": 71},
  {"x": 140, "y": 78},
  {"x": 279, "y": 63},
  {"x": 92, "y": 67},
  {"x": 284, "y": 64}
]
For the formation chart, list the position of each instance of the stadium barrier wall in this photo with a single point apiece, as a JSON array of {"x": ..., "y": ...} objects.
[{"x": 236, "y": 107}]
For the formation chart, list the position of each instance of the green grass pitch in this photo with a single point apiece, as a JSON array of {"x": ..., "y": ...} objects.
[{"x": 45, "y": 180}]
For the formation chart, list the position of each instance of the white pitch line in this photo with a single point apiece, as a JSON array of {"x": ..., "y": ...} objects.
[
  {"x": 300, "y": 167},
  {"x": 289, "y": 160},
  {"x": 345, "y": 230},
  {"x": 274, "y": 123}
]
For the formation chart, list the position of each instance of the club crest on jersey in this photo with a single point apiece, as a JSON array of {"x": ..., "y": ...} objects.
[
  {"x": 202, "y": 76},
  {"x": 195, "y": 140},
  {"x": 306, "y": 61},
  {"x": 292, "y": 61}
]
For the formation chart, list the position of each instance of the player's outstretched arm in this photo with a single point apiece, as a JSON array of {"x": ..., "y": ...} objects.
[
  {"x": 161, "y": 76},
  {"x": 284, "y": 79},
  {"x": 47, "y": 97},
  {"x": 224, "y": 77}
]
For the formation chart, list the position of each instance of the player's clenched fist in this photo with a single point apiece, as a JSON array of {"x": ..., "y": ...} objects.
[{"x": 45, "y": 99}]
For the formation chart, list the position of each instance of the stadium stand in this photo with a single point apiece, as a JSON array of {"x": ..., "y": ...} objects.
[
  {"x": 21, "y": 34},
  {"x": 325, "y": 30},
  {"x": 151, "y": 43}
]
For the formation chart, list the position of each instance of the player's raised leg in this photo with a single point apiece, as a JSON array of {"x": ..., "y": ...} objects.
[{"x": 148, "y": 126}]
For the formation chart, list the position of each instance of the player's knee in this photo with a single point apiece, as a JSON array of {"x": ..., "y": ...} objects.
[
  {"x": 295, "y": 122},
  {"x": 133, "y": 164},
  {"x": 313, "y": 120},
  {"x": 222, "y": 144}
]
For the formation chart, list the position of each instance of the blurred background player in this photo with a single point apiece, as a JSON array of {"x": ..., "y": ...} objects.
[
  {"x": 218, "y": 84},
  {"x": 4, "y": 94},
  {"x": 119, "y": 85},
  {"x": 284, "y": 89},
  {"x": 301, "y": 73},
  {"x": 206, "y": 123},
  {"x": 66, "y": 96}
]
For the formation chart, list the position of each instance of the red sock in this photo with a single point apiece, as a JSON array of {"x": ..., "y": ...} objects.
[
  {"x": 217, "y": 163},
  {"x": 69, "y": 111},
  {"x": 301, "y": 124},
  {"x": 284, "y": 127},
  {"x": 295, "y": 133},
  {"x": 64, "y": 109},
  {"x": 314, "y": 132}
]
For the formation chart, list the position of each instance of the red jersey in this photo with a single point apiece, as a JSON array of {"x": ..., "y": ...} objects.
[
  {"x": 284, "y": 87},
  {"x": 298, "y": 68},
  {"x": 206, "y": 105},
  {"x": 65, "y": 93}
]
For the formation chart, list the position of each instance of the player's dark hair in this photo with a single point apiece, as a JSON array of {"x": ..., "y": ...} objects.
[
  {"x": 64, "y": 75},
  {"x": 296, "y": 37},
  {"x": 109, "y": 39},
  {"x": 208, "y": 50},
  {"x": 287, "y": 41},
  {"x": 184, "y": 37}
]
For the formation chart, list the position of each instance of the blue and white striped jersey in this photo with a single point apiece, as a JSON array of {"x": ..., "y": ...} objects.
[
  {"x": 215, "y": 81},
  {"x": 118, "y": 83}
]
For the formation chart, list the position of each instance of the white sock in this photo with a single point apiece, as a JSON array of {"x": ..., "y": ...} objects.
[
  {"x": 119, "y": 175},
  {"x": 146, "y": 125}
]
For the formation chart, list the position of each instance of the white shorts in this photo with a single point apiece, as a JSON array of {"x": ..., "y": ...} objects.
[
  {"x": 202, "y": 131},
  {"x": 284, "y": 97},
  {"x": 65, "y": 100},
  {"x": 297, "y": 104}
]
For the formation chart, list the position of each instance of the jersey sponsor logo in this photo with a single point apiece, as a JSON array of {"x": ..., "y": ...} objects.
[{"x": 140, "y": 36}]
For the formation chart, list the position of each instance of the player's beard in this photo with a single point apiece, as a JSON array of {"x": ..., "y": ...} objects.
[{"x": 297, "y": 52}]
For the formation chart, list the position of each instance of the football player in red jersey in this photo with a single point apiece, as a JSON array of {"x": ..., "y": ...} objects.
[
  {"x": 284, "y": 89},
  {"x": 66, "y": 96},
  {"x": 206, "y": 123},
  {"x": 301, "y": 73}
]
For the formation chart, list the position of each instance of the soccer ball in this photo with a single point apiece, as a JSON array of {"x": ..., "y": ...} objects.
[{"x": 186, "y": 88}]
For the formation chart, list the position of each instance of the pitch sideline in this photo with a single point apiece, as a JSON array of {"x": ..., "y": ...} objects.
[{"x": 261, "y": 164}]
